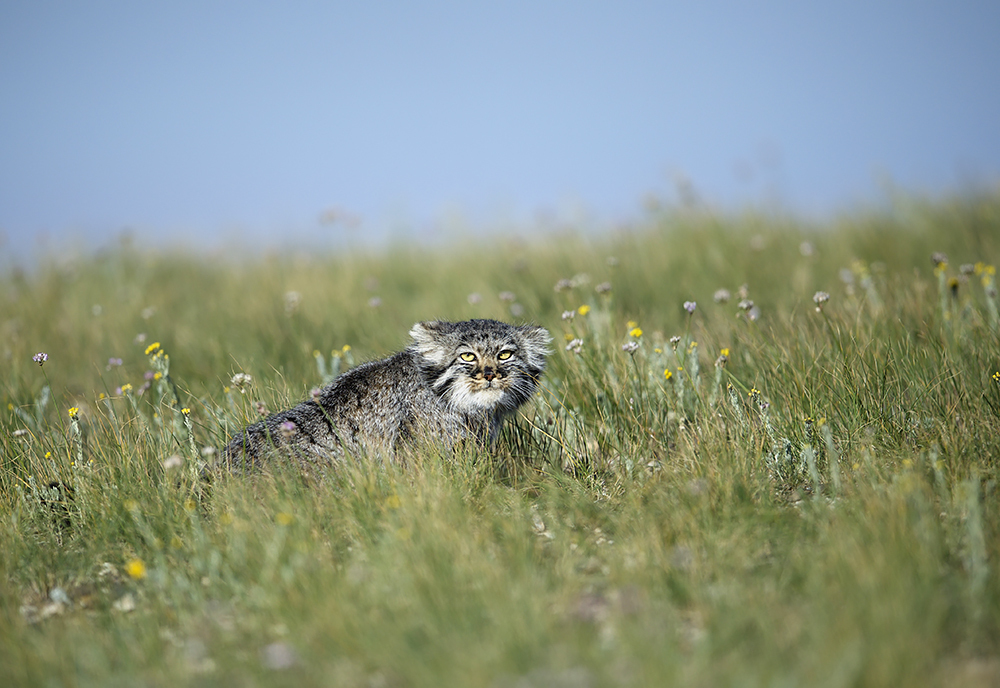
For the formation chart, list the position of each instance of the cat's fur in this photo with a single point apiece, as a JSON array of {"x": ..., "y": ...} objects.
[{"x": 425, "y": 391}]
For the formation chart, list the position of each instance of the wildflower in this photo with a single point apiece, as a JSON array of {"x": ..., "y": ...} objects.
[
  {"x": 724, "y": 352},
  {"x": 583, "y": 310},
  {"x": 148, "y": 375},
  {"x": 20, "y": 432},
  {"x": 575, "y": 345},
  {"x": 124, "y": 389},
  {"x": 157, "y": 375},
  {"x": 374, "y": 302},
  {"x": 315, "y": 393},
  {"x": 630, "y": 347},
  {"x": 241, "y": 380},
  {"x": 186, "y": 410},
  {"x": 287, "y": 429},
  {"x": 345, "y": 348},
  {"x": 155, "y": 346},
  {"x": 261, "y": 408},
  {"x": 667, "y": 374},
  {"x": 563, "y": 285},
  {"x": 568, "y": 315},
  {"x": 674, "y": 341},
  {"x": 474, "y": 298},
  {"x": 635, "y": 332},
  {"x": 114, "y": 363},
  {"x": 744, "y": 291},
  {"x": 293, "y": 300},
  {"x": 136, "y": 569},
  {"x": 953, "y": 286},
  {"x": 507, "y": 296},
  {"x": 40, "y": 358},
  {"x": 173, "y": 461},
  {"x": 819, "y": 298},
  {"x": 73, "y": 411},
  {"x": 723, "y": 358},
  {"x": 689, "y": 306},
  {"x": 603, "y": 288},
  {"x": 996, "y": 377},
  {"x": 147, "y": 312},
  {"x": 939, "y": 259},
  {"x": 721, "y": 296},
  {"x": 967, "y": 269},
  {"x": 692, "y": 346}
]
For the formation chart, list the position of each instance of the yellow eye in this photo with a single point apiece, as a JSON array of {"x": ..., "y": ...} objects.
[
  {"x": 504, "y": 355},
  {"x": 467, "y": 356}
]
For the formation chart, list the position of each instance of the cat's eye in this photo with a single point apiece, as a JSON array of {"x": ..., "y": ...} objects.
[
  {"x": 504, "y": 355},
  {"x": 467, "y": 356}
]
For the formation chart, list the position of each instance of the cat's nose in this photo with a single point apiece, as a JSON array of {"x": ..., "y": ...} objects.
[{"x": 489, "y": 374}]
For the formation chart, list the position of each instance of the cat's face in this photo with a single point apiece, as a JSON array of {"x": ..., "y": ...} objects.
[{"x": 481, "y": 365}]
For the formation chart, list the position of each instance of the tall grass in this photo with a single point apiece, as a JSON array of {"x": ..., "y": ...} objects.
[{"x": 707, "y": 491}]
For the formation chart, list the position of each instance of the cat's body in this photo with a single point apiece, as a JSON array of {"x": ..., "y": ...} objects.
[{"x": 455, "y": 380}]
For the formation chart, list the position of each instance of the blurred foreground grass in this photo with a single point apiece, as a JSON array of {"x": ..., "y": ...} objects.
[{"x": 765, "y": 487}]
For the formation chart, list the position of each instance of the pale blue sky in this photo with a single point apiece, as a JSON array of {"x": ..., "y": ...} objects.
[{"x": 206, "y": 119}]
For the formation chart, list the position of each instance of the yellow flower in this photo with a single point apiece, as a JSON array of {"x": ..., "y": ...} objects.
[
  {"x": 569, "y": 337},
  {"x": 583, "y": 310},
  {"x": 725, "y": 352},
  {"x": 658, "y": 350},
  {"x": 284, "y": 518},
  {"x": 316, "y": 353},
  {"x": 152, "y": 347},
  {"x": 185, "y": 410},
  {"x": 346, "y": 348},
  {"x": 158, "y": 375},
  {"x": 632, "y": 324},
  {"x": 667, "y": 374},
  {"x": 996, "y": 377},
  {"x": 636, "y": 332},
  {"x": 135, "y": 569},
  {"x": 101, "y": 395},
  {"x": 48, "y": 455},
  {"x": 73, "y": 411}
]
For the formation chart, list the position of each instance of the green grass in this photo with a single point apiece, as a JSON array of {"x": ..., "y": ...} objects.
[{"x": 820, "y": 509}]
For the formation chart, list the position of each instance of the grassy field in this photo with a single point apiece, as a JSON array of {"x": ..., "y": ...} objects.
[{"x": 751, "y": 487}]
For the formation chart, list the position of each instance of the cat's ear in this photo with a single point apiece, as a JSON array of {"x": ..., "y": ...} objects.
[
  {"x": 428, "y": 343},
  {"x": 535, "y": 343}
]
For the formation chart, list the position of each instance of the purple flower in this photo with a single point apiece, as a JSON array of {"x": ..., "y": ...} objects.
[
  {"x": 114, "y": 362},
  {"x": 40, "y": 358},
  {"x": 689, "y": 306},
  {"x": 630, "y": 347},
  {"x": 287, "y": 428}
]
